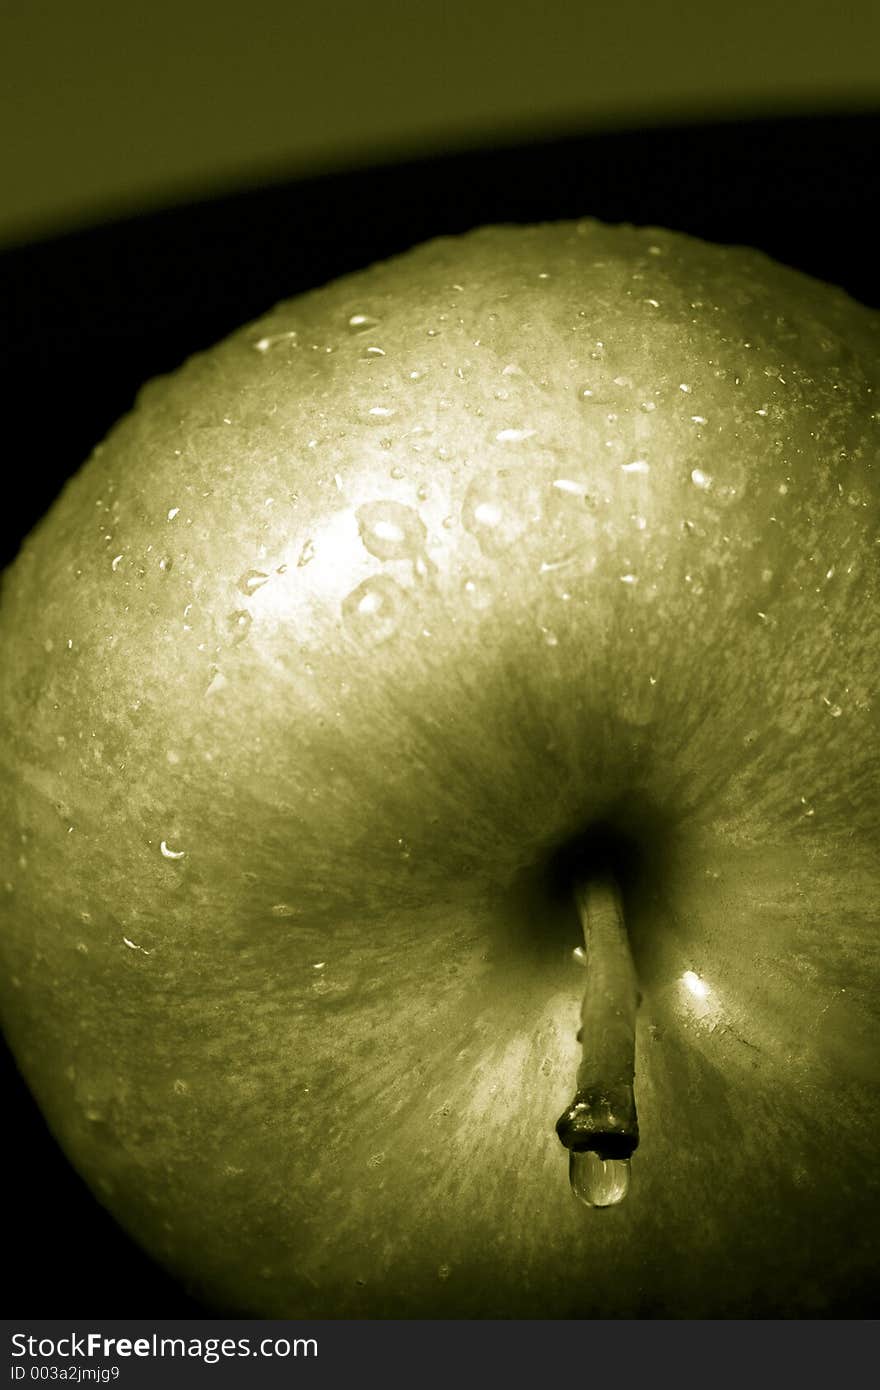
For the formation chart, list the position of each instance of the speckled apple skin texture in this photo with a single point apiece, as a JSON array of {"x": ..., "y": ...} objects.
[{"x": 350, "y": 623}]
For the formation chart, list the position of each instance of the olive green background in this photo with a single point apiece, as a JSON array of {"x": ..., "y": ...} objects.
[{"x": 107, "y": 109}]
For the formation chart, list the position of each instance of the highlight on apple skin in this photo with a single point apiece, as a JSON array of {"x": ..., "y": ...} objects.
[{"x": 531, "y": 560}]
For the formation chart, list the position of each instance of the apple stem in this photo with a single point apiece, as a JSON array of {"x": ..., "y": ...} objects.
[{"x": 602, "y": 1117}]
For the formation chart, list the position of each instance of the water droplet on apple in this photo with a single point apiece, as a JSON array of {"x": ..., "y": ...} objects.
[
  {"x": 391, "y": 531},
  {"x": 239, "y": 624},
  {"x": 168, "y": 853},
  {"x": 361, "y": 323},
  {"x": 573, "y": 487},
  {"x": 397, "y": 473},
  {"x": 283, "y": 910},
  {"x": 560, "y": 563},
  {"x": 514, "y": 436},
  {"x": 498, "y": 509},
  {"x": 216, "y": 683},
  {"x": 272, "y": 340},
  {"x": 372, "y": 612},
  {"x": 477, "y": 593},
  {"x": 251, "y": 581},
  {"x": 598, "y": 1182},
  {"x": 484, "y": 516},
  {"x": 133, "y": 946}
]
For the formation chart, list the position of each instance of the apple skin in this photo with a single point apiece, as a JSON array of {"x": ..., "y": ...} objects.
[{"x": 318, "y": 677}]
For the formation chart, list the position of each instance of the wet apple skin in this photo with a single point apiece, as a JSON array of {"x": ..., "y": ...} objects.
[{"x": 314, "y": 1063}]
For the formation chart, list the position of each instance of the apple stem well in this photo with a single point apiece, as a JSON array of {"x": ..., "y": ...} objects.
[{"x": 600, "y": 1126}]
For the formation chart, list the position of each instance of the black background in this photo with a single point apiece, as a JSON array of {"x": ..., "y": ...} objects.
[{"x": 86, "y": 318}]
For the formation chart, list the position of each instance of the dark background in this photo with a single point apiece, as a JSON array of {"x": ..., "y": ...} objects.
[{"x": 85, "y": 318}]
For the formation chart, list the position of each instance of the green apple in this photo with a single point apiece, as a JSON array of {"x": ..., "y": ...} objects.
[{"x": 363, "y": 646}]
